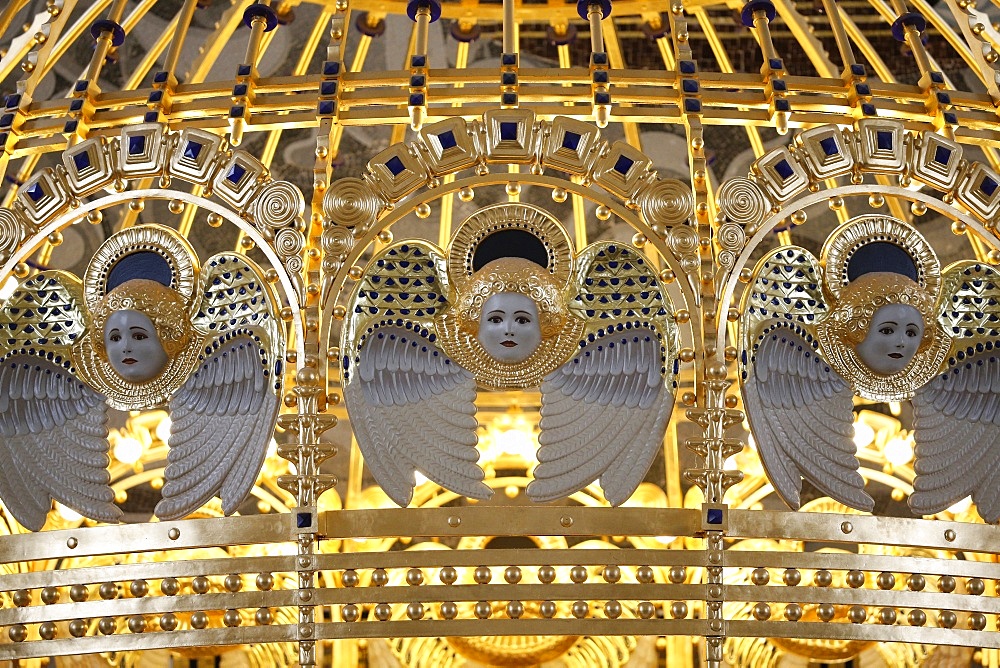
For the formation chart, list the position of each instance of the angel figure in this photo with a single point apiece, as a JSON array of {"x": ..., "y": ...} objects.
[
  {"x": 430, "y": 329},
  {"x": 145, "y": 328},
  {"x": 883, "y": 321}
]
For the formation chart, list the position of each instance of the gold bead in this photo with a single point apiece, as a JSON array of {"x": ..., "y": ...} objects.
[
  {"x": 876, "y": 200},
  {"x": 55, "y": 239},
  {"x": 836, "y": 203},
  {"x": 136, "y": 205},
  {"x": 199, "y": 620},
  {"x": 233, "y": 582},
  {"x": 793, "y": 612},
  {"x": 513, "y": 189},
  {"x": 107, "y": 625},
  {"x": 339, "y": 312},
  {"x": 512, "y": 574},
  {"x": 975, "y": 587},
  {"x": 792, "y": 577},
  {"x": 246, "y": 243},
  {"x": 448, "y": 575},
  {"x": 20, "y": 270},
  {"x": 667, "y": 276},
  {"x": 547, "y": 609},
  {"x": 559, "y": 195},
  {"x": 95, "y": 217},
  {"x": 977, "y": 621},
  {"x": 993, "y": 257},
  {"x": 602, "y": 212},
  {"x": 414, "y": 577},
  {"x": 645, "y": 610},
  {"x": 677, "y": 574},
  {"x": 688, "y": 398},
  {"x": 380, "y": 577},
  {"x": 613, "y": 609},
  {"x": 578, "y": 574},
  {"x": 947, "y": 619},
  {"x": 799, "y": 217},
  {"x": 271, "y": 276},
  {"x": 917, "y": 618},
  {"x": 546, "y": 574},
  {"x": 679, "y": 610},
  {"x": 916, "y": 582},
  {"x": 732, "y": 401},
  {"x": 482, "y": 575},
  {"x": 200, "y": 584},
  {"x": 950, "y": 535},
  {"x": 175, "y": 206},
  {"x": 760, "y": 576},
  {"x": 823, "y": 578},
  {"x": 466, "y": 194},
  {"x": 108, "y": 591},
  {"x": 716, "y": 371},
  {"x": 483, "y": 610},
  {"x": 682, "y": 316},
  {"x": 611, "y": 573},
  {"x": 415, "y": 610},
  {"x": 355, "y": 272},
  {"x": 581, "y": 609},
  {"x": 78, "y": 628},
  {"x": 515, "y": 609},
  {"x": 644, "y": 574},
  {"x": 855, "y": 579},
  {"x": 887, "y": 616},
  {"x": 47, "y": 630},
  {"x": 168, "y": 621},
  {"x": 350, "y": 613},
  {"x": 214, "y": 220},
  {"x": 762, "y": 612},
  {"x": 139, "y": 588},
  {"x": 423, "y": 210},
  {"x": 136, "y": 624},
  {"x": 639, "y": 240},
  {"x": 958, "y": 228},
  {"x": 918, "y": 208},
  {"x": 449, "y": 610},
  {"x": 687, "y": 355},
  {"x": 885, "y": 580},
  {"x": 265, "y": 581},
  {"x": 170, "y": 586},
  {"x": 17, "y": 633},
  {"x": 825, "y": 611},
  {"x": 79, "y": 593},
  {"x": 946, "y": 584},
  {"x": 350, "y": 578},
  {"x": 385, "y": 237},
  {"x": 263, "y": 616}
]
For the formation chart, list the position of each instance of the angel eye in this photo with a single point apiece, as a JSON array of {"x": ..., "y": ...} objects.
[
  {"x": 887, "y": 331},
  {"x": 115, "y": 338},
  {"x": 522, "y": 320},
  {"x": 495, "y": 319},
  {"x": 139, "y": 336},
  {"x": 911, "y": 332}
]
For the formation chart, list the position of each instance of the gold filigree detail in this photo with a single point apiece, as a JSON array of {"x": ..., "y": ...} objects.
[{"x": 163, "y": 306}]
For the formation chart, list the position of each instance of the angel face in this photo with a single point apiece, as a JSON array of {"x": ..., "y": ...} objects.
[
  {"x": 893, "y": 339},
  {"x": 509, "y": 327},
  {"x": 133, "y": 346}
]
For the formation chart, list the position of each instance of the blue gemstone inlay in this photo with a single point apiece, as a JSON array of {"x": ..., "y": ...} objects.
[
  {"x": 155, "y": 96},
  {"x": 416, "y": 100},
  {"x": 600, "y": 76},
  {"x": 395, "y": 165},
  {"x": 883, "y": 138},
  {"x": 150, "y": 117},
  {"x": 418, "y": 61},
  {"x": 623, "y": 164},
  {"x": 76, "y": 105},
  {"x": 325, "y": 107},
  {"x": 508, "y": 131},
  {"x": 136, "y": 144},
  {"x": 950, "y": 118},
  {"x": 858, "y": 70},
  {"x": 692, "y": 106},
  {"x": 235, "y": 174},
  {"x": 331, "y": 68},
  {"x": 688, "y": 67},
  {"x": 599, "y": 58},
  {"x": 192, "y": 149},
  {"x": 571, "y": 140},
  {"x": 690, "y": 85},
  {"x": 35, "y": 192},
  {"x": 863, "y": 89},
  {"x": 942, "y": 154},
  {"x": 13, "y": 100},
  {"x": 829, "y": 146},
  {"x": 784, "y": 170},
  {"x": 868, "y": 110},
  {"x": 988, "y": 186},
  {"x": 303, "y": 520},
  {"x": 239, "y": 90},
  {"x": 243, "y": 71},
  {"x": 70, "y": 126},
  {"x": 508, "y": 78},
  {"x": 447, "y": 139},
  {"x": 775, "y": 64},
  {"x": 81, "y": 86},
  {"x": 714, "y": 516},
  {"x": 160, "y": 77},
  {"x": 508, "y": 59},
  {"x": 782, "y": 105},
  {"x": 328, "y": 88},
  {"x": 605, "y": 98},
  {"x": 779, "y": 85},
  {"x": 81, "y": 160},
  {"x": 508, "y": 99},
  {"x": 937, "y": 77},
  {"x": 6, "y": 120},
  {"x": 416, "y": 81}
]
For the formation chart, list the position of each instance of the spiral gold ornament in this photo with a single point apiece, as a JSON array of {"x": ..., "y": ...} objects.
[
  {"x": 350, "y": 202},
  {"x": 683, "y": 240},
  {"x": 288, "y": 242},
  {"x": 731, "y": 237},
  {"x": 11, "y": 233},
  {"x": 278, "y": 204},
  {"x": 667, "y": 202},
  {"x": 742, "y": 201},
  {"x": 337, "y": 242}
]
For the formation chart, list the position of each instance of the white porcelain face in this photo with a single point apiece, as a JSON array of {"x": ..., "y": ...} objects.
[
  {"x": 134, "y": 349},
  {"x": 892, "y": 339},
  {"x": 508, "y": 327}
]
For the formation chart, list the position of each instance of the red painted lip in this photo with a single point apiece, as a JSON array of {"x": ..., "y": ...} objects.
[
  {"x": 129, "y": 360},
  {"x": 508, "y": 344}
]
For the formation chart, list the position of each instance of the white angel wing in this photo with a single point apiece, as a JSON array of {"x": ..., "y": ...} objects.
[
  {"x": 802, "y": 418},
  {"x": 604, "y": 414},
  {"x": 221, "y": 422},
  {"x": 412, "y": 409},
  {"x": 957, "y": 435},
  {"x": 54, "y": 442}
]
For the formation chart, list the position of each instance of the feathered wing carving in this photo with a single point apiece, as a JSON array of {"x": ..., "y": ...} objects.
[
  {"x": 957, "y": 414},
  {"x": 802, "y": 418},
  {"x": 799, "y": 409},
  {"x": 222, "y": 418},
  {"x": 53, "y": 433},
  {"x": 605, "y": 411},
  {"x": 411, "y": 407}
]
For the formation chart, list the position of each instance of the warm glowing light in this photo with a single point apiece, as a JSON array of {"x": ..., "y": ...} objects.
[
  {"x": 960, "y": 507},
  {"x": 421, "y": 478},
  {"x": 863, "y": 434},
  {"x": 8, "y": 288},
  {"x": 516, "y": 441},
  {"x": 163, "y": 429},
  {"x": 128, "y": 450},
  {"x": 272, "y": 448},
  {"x": 67, "y": 513},
  {"x": 898, "y": 451},
  {"x": 730, "y": 463}
]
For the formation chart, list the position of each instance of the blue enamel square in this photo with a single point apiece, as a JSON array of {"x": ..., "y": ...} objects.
[
  {"x": 784, "y": 170},
  {"x": 988, "y": 186},
  {"x": 829, "y": 146},
  {"x": 508, "y": 131},
  {"x": 883, "y": 139},
  {"x": 623, "y": 164},
  {"x": 35, "y": 192},
  {"x": 303, "y": 520},
  {"x": 714, "y": 516},
  {"x": 571, "y": 140},
  {"x": 136, "y": 144},
  {"x": 395, "y": 165},
  {"x": 192, "y": 149},
  {"x": 447, "y": 139},
  {"x": 235, "y": 174},
  {"x": 942, "y": 154},
  {"x": 81, "y": 160}
]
